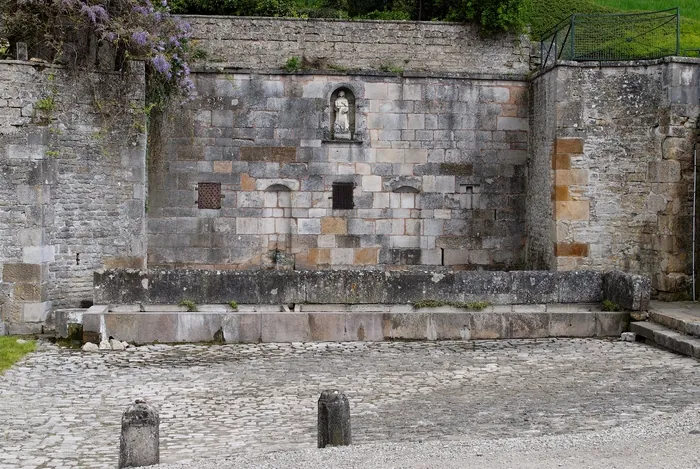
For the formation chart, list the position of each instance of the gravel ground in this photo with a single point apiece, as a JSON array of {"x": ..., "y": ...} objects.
[
  {"x": 658, "y": 442},
  {"x": 413, "y": 404}
]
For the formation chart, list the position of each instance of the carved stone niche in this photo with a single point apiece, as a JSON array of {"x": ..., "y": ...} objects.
[{"x": 342, "y": 114}]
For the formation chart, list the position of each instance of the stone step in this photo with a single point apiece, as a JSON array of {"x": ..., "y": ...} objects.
[
  {"x": 667, "y": 338},
  {"x": 349, "y": 325},
  {"x": 683, "y": 317}
]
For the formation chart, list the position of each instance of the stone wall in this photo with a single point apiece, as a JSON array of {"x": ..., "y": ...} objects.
[
  {"x": 267, "y": 43},
  {"x": 154, "y": 286},
  {"x": 72, "y": 185},
  {"x": 622, "y": 166},
  {"x": 437, "y": 168}
]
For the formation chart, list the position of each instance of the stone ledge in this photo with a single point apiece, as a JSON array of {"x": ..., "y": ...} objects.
[
  {"x": 395, "y": 323},
  {"x": 124, "y": 286}
]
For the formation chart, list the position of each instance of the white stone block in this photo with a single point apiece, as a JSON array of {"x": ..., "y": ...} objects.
[
  {"x": 35, "y": 312},
  {"x": 383, "y": 227},
  {"x": 38, "y": 254},
  {"x": 512, "y": 123},
  {"x": 429, "y": 184},
  {"x": 282, "y": 226},
  {"x": 380, "y": 200},
  {"x": 363, "y": 168},
  {"x": 247, "y": 226},
  {"x": 433, "y": 227},
  {"x": 415, "y": 121},
  {"x": 326, "y": 241},
  {"x": 346, "y": 168},
  {"x": 412, "y": 92},
  {"x": 267, "y": 225},
  {"x": 310, "y": 143},
  {"x": 444, "y": 183},
  {"x": 376, "y": 91},
  {"x": 394, "y": 200},
  {"x": 300, "y": 199},
  {"x": 408, "y": 200},
  {"x": 415, "y": 155},
  {"x": 405, "y": 241},
  {"x": 314, "y": 89},
  {"x": 442, "y": 214},
  {"x": 371, "y": 183},
  {"x": 342, "y": 256},
  {"x": 413, "y": 227},
  {"x": 25, "y": 152},
  {"x": 270, "y": 199},
  {"x": 308, "y": 226}
]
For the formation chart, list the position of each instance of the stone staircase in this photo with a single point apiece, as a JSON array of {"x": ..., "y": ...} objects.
[{"x": 674, "y": 326}]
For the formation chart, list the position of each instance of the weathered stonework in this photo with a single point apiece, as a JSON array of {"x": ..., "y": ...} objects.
[
  {"x": 620, "y": 140},
  {"x": 263, "y": 44},
  {"x": 72, "y": 187},
  {"x": 437, "y": 164}
]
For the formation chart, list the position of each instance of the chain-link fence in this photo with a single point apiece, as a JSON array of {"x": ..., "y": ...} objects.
[{"x": 631, "y": 36}]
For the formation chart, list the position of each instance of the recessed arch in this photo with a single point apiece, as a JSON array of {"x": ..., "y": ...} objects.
[
  {"x": 278, "y": 188},
  {"x": 404, "y": 189},
  {"x": 342, "y": 115}
]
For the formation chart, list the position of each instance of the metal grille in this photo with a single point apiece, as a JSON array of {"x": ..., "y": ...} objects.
[
  {"x": 602, "y": 37},
  {"x": 342, "y": 195},
  {"x": 209, "y": 195}
]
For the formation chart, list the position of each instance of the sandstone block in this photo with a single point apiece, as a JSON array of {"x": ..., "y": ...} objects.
[
  {"x": 569, "y": 145},
  {"x": 572, "y": 210}
]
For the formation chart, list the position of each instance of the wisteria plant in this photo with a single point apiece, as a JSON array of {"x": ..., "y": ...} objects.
[{"x": 76, "y": 33}]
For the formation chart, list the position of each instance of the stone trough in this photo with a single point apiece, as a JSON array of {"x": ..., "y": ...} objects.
[{"x": 348, "y": 305}]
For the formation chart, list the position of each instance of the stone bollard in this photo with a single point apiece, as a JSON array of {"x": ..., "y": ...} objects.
[
  {"x": 22, "y": 51},
  {"x": 139, "y": 445},
  {"x": 333, "y": 419}
]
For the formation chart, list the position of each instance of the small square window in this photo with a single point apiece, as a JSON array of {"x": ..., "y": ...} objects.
[
  {"x": 342, "y": 195},
  {"x": 209, "y": 195}
]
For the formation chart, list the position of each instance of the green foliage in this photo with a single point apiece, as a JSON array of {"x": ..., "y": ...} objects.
[
  {"x": 493, "y": 15},
  {"x": 4, "y": 49},
  {"x": 608, "y": 305},
  {"x": 190, "y": 305},
  {"x": 293, "y": 64},
  {"x": 391, "y": 69},
  {"x": 277, "y": 8},
  {"x": 11, "y": 351},
  {"x": 391, "y": 15},
  {"x": 472, "y": 306},
  {"x": 46, "y": 105},
  {"x": 52, "y": 153},
  {"x": 233, "y": 304},
  {"x": 337, "y": 68}
]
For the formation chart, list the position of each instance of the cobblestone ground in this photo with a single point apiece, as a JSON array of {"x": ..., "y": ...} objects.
[{"x": 62, "y": 408}]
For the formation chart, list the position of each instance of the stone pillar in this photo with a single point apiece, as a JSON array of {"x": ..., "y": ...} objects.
[
  {"x": 333, "y": 419},
  {"x": 22, "y": 51},
  {"x": 139, "y": 442}
]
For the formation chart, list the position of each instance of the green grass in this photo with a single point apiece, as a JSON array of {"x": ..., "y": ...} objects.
[
  {"x": 11, "y": 351},
  {"x": 544, "y": 14},
  {"x": 430, "y": 303}
]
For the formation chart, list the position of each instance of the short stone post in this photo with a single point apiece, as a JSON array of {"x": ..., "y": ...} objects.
[
  {"x": 22, "y": 51},
  {"x": 139, "y": 443},
  {"x": 333, "y": 419}
]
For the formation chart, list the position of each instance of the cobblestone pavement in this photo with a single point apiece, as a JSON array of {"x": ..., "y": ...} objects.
[{"x": 62, "y": 408}]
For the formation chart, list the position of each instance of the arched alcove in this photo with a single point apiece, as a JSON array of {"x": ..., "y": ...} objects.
[{"x": 342, "y": 105}]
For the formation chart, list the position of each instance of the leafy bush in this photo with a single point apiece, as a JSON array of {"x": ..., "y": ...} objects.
[
  {"x": 293, "y": 64},
  {"x": 233, "y": 304},
  {"x": 608, "y": 305}
]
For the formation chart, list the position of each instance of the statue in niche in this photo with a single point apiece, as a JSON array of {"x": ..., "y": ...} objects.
[
  {"x": 342, "y": 122},
  {"x": 343, "y": 115}
]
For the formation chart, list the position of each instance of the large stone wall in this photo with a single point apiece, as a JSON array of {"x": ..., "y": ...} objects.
[
  {"x": 622, "y": 166},
  {"x": 72, "y": 185},
  {"x": 438, "y": 167},
  {"x": 267, "y": 43}
]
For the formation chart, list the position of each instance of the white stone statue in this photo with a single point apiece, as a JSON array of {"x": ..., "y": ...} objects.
[{"x": 342, "y": 109}]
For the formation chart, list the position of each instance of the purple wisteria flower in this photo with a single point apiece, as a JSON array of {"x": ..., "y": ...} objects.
[
  {"x": 140, "y": 37},
  {"x": 161, "y": 64},
  {"x": 94, "y": 13}
]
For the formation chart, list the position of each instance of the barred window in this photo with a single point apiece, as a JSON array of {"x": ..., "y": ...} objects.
[
  {"x": 209, "y": 195},
  {"x": 342, "y": 195}
]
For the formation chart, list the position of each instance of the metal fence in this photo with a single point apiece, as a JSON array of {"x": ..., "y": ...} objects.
[{"x": 631, "y": 36}]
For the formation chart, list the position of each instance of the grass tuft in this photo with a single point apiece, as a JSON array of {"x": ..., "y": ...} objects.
[
  {"x": 11, "y": 351},
  {"x": 472, "y": 306}
]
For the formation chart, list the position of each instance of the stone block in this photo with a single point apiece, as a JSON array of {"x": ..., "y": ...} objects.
[
  {"x": 487, "y": 325},
  {"x": 612, "y": 323},
  {"x": 629, "y": 291},
  {"x": 366, "y": 256},
  {"x": 580, "y": 287},
  {"x": 572, "y": 210},
  {"x": 405, "y": 326},
  {"x": 569, "y": 145},
  {"x": 24, "y": 273},
  {"x": 431, "y": 256},
  {"x": 364, "y": 327},
  {"x": 371, "y": 183},
  {"x": 27, "y": 292},
  {"x": 512, "y": 123},
  {"x": 37, "y": 254},
  {"x": 456, "y": 257},
  {"x": 526, "y": 325},
  {"x": 664, "y": 171},
  {"x": 308, "y": 226},
  {"x": 572, "y": 324},
  {"x": 571, "y": 249},
  {"x": 327, "y": 326},
  {"x": 285, "y": 327},
  {"x": 342, "y": 256},
  {"x": 35, "y": 312}
]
